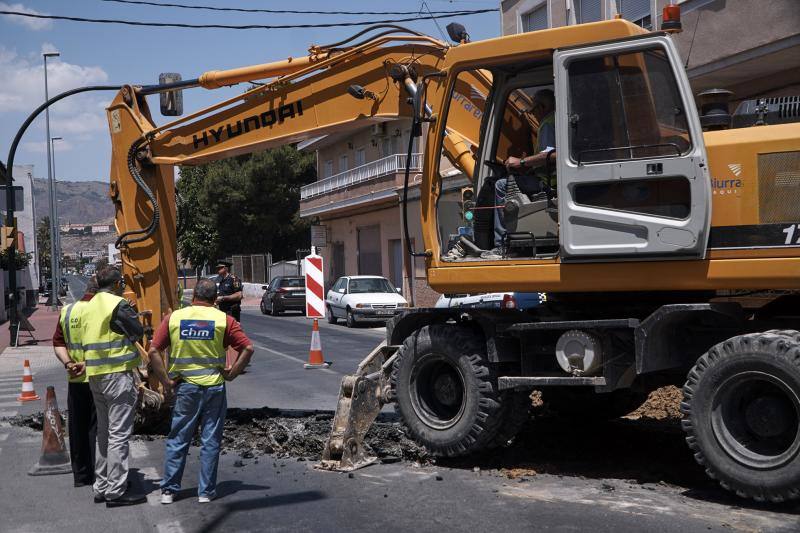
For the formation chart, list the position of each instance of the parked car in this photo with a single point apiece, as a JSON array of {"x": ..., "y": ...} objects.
[
  {"x": 363, "y": 299},
  {"x": 496, "y": 300},
  {"x": 284, "y": 293}
]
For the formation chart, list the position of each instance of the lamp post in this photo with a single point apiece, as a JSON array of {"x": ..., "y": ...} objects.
[
  {"x": 37, "y": 267},
  {"x": 56, "y": 223},
  {"x": 53, "y": 301}
]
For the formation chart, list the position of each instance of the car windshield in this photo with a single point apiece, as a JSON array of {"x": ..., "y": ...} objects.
[
  {"x": 293, "y": 282},
  {"x": 364, "y": 285}
]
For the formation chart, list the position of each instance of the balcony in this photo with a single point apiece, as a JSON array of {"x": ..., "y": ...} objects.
[{"x": 379, "y": 168}]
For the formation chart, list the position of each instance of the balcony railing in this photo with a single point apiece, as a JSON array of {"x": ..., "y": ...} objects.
[{"x": 376, "y": 169}]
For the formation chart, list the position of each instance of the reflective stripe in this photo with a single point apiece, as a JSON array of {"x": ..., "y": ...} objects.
[
  {"x": 112, "y": 360},
  {"x": 198, "y": 372},
  {"x": 66, "y": 332},
  {"x": 74, "y": 346},
  {"x": 120, "y": 343},
  {"x": 198, "y": 360}
]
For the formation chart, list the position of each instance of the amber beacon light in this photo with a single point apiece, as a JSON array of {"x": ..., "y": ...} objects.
[{"x": 671, "y": 18}]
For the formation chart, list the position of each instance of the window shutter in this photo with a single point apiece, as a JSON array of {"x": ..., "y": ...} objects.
[
  {"x": 588, "y": 11},
  {"x": 633, "y": 10},
  {"x": 535, "y": 19}
]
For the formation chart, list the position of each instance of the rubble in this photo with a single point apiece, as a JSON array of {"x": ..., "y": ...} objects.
[{"x": 661, "y": 404}]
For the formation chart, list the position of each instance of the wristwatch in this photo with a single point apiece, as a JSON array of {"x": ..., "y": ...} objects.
[
  {"x": 522, "y": 162},
  {"x": 66, "y": 365}
]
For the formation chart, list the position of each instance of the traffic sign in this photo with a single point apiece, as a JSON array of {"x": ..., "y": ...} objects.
[{"x": 315, "y": 285}]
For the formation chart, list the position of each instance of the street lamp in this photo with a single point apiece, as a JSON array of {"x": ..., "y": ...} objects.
[
  {"x": 37, "y": 267},
  {"x": 56, "y": 223},
  {"x": 53, "y": 259}
]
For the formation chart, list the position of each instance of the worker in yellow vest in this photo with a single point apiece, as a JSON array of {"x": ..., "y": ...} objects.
[
  {"x": 197, "y": 337},
  {"x": 109, "y": 329},
  {"x": 82, "y": 422}
]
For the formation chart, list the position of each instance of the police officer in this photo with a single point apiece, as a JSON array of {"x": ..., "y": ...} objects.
[
  {"x": 229, "y": 289},
  {"x": 197, "y": 338}
]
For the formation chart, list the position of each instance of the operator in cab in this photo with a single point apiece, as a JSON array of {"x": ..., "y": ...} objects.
[
  {"x": 229, "y": 289},
  {"x": 530, "y": 175}
]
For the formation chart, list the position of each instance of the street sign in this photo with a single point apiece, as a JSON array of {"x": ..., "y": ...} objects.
[
  {"x": 319, "y": 236},
  {"x": 315, "y": 285}
]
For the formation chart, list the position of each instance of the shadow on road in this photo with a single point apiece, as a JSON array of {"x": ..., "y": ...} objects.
[{"x": 228, "y": 510}]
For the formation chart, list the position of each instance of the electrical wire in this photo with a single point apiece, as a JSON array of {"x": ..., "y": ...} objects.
[
  {"x": 243, "y": 27},
  {"x": 276, "y": 11}
]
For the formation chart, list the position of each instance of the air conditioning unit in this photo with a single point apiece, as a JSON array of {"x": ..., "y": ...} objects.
[{"x": 379, "y": 129}]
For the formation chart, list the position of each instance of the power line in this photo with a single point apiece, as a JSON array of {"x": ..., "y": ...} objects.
[
  {"x": 244, "y": 27},
  {"x": 276, "y": 11}
]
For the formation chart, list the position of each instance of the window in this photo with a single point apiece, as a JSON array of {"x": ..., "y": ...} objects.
[
  {"x": 327, "y": 170},
  {"x": 343, "y": 163},
  {"x": 535, "y": 19},
  {"x": 361, "y": 157},
  {"x": 625, "y": 106},
  {"x": 637, "y": 11},
  {"x": 587, "y": 10},
  {"x": 386, "y": 147},
  {"x": 367, "y": 285},
  {"x": 340, "y": 283},
  {"x": 293, "y": 282},
  {"x": 664, "y": 197},
  {"x": 274, "y": 283}
]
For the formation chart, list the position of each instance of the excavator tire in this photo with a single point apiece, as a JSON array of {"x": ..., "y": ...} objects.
[
  {"x": 741, "y": 415},
  {"x": 517, "y": 406},
  {"x": 447, "y": 392},
  {"x": 584, "y": 403}
]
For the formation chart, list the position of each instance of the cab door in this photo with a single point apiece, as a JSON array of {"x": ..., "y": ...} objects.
[{"x": 632, "y": 175}]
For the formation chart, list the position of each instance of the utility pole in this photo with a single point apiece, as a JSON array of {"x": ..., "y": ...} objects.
[
  {"x": 56, "y": 224},
  {"x": 53, "y": 301}
]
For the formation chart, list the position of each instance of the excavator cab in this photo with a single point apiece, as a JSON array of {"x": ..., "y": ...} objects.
[{"x": 626, "y": 180}]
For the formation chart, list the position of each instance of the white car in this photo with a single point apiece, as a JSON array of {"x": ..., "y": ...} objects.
[
  {"x": 363, "y": 299},
  {"x": 494, "y": 300}
]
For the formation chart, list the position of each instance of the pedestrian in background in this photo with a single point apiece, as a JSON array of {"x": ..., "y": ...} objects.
[
  {"x": 229, "y": 299},
  {"x": 82, "y": 421},
  {"x": 110, "y": 328},
  {"x": 197, "y": 338}
]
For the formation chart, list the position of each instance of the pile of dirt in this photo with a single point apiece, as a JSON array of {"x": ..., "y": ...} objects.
[
  {"x": 34, "y": 421},
  {"x": 661, "y": 404},
  {"x": 302, "y": 434}
]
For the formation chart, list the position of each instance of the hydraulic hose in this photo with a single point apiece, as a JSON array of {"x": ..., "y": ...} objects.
[{"x": 143, "y": 233}]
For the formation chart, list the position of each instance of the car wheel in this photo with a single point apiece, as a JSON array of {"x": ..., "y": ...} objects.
[
  {"x": 263, "y": 308},
  {"x": 275, "y": 312},
  {"x": 741, "y": 415},
  {"x": 329, "y": 315},
  {"x": 351, "y": 320}
]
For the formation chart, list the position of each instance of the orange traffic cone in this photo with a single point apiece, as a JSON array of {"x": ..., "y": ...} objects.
[
  {"x": 28, "y": 394},
  {"x": 315, "y": 359},
  {"x": 54, "y": 459}
]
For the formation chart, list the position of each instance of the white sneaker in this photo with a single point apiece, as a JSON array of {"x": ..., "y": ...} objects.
[
  {"x": 204, "y": 499},
  {"x": 167, "y": 497}
]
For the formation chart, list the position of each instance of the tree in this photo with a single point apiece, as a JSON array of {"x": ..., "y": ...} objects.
[
  {"x": 21, "y": 259},
  {"x": 43, "y": 246},
  {"x": 244, "y": 205}
]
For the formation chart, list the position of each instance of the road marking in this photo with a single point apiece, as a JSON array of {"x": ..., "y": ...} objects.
[
  {"x": 13, "y": 404},
  {"x": 3, "y": 436},
  {"x": 5, "y": 413},
  {"x": 301, "y": 361},
  {"x": 169, "y": 527},
  {"x": 138, "y": 450}
]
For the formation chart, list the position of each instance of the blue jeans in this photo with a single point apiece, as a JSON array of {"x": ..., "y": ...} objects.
[{"x": 195, "y": 405}]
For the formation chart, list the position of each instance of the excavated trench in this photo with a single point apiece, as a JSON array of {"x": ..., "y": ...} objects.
[{"x": 646, "y": 446}]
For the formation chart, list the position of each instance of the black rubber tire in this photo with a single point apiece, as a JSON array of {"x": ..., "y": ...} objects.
[
  {"x": 329, "y": 315},
  {"x": 263, "y": 308},
  {"x": 768, "y": 357},
  {"x": 350, "y": 320},
  {"x": 268, "y": 310},
  {"x": 517, "y": 412},
  {"x": 791, "y": 333},
  {"x": 476, "y": 425},
  {"x": 585, "y": 403}
]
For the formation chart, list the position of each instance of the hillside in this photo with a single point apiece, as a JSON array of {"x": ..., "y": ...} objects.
[{"x": 78, "y": 201}]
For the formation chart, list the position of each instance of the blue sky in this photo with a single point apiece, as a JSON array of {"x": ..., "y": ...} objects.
[{"x": 113, "y": 54}]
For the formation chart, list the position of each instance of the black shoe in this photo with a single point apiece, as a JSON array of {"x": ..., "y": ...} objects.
[
  {"x": 129, "y": 498},
  {"x": 99, "y": 498}
]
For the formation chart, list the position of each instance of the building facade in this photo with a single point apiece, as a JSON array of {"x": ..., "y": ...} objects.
[{"x": 749, "y": 47}]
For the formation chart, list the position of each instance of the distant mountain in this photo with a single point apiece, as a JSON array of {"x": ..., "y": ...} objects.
[{"x": 79, "y": 202}]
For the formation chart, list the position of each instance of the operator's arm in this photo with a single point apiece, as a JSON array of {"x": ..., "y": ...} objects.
[
  {"x": 125, "y": 321},
  {"x": 236, "y": 339}
]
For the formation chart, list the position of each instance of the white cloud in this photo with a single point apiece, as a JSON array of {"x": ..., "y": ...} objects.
[
  {"x": 30, "y": 23},
  {"x": 40, "y": 147},
  {"x": 49, "y": 48},
  {"x": 23, "y": 90}
]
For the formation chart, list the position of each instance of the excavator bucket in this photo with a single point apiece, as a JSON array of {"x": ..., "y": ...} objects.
[{"x": 361, "y": 398}]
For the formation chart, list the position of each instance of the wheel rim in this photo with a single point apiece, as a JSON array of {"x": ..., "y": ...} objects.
[
  {"x": 437, "y": 391},
  {"x": 756, "y": 419}
]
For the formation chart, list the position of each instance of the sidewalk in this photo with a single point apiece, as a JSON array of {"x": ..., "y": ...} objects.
[{"x": 43, "y": 319}]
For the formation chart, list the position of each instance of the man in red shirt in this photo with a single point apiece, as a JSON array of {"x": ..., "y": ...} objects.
[
  {"x": 82, "y": 422},
  {"x": 197, "y": 338}
]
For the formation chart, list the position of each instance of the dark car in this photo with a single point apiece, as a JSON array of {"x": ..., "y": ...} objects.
[{"x": 284, "y": 294}]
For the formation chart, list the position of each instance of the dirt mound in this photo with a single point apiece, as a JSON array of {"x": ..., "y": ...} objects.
[
  {"x": 34, "y": 421},
  {"x": 661, "y": 404}
]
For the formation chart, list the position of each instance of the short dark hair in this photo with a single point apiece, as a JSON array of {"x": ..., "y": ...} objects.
[
  {"x": 205, "y": 291},
  {"x": 107, "y": 277},
  {"x": 91, "y": 285}
]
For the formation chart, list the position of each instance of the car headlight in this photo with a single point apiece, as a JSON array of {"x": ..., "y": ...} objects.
[{"x": 402, "y": 305}]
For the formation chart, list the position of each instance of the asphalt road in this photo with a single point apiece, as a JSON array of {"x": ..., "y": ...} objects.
[{"x": 271, "y": 494}]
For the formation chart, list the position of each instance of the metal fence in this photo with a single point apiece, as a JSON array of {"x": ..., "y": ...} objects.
[{"x": 259, "y": 268}]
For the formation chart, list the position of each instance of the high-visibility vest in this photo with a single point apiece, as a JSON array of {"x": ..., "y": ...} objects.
[
  {"x": 105, "y": 351},
  {"x": 71, "y": 327},
  {"x": 197, "y": 350}
]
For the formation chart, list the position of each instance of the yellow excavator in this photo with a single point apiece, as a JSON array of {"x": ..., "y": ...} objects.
[{"x": 668, "y": 243}]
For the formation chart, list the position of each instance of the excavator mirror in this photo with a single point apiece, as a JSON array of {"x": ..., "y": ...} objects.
[{"x": 171, "y": 101}]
